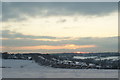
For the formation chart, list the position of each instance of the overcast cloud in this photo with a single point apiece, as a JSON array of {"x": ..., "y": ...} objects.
[
  {"x": 61, "y": 24},
  {"x": 21, "y": 10},
  {"x": 106, "y": 44}
]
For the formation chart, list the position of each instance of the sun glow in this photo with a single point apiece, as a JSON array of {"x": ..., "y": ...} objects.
[
  {"x": 66, "y": 46},
  {"x": 78, "y": 52}
]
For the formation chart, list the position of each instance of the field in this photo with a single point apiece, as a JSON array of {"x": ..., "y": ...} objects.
[{"x": 29, "y": 69}]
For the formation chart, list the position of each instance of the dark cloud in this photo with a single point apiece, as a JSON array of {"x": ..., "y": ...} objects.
[
  {"x": 18, "y": 10},
  {"x": 0, "y": 12},
  {"x": 9, "y": 34},
  {"x": 103, "y": 44},
  {"x": 25, "y": 42}
]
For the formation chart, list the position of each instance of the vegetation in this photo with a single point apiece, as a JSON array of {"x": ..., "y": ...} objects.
[{"x": 68, "y": 60}]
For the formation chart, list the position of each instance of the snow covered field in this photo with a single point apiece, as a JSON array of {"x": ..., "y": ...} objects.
[
  {"x": 0, "y": 68},
  {"x": 30, "y": 69}
]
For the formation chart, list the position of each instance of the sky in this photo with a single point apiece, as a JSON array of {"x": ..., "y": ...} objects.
[{"x": 54, "y": 27}]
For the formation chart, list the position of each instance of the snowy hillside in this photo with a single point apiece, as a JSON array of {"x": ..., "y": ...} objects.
[
  {"x": 30, "y": 69},
  {"x": 0, "y": 68}
]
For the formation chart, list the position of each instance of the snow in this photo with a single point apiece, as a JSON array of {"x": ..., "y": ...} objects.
[
  {"x": 0, "y": 68},
  {"x": 82, "y": 57},
  {"x": 30, "y": 69},
  {"x": 96, "y": 57}
]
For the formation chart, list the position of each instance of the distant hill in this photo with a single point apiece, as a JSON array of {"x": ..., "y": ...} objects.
[{"x": 90, "y": 54}]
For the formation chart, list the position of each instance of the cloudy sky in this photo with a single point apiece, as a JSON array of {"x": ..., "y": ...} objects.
[{"x": 60, "y": 27}]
